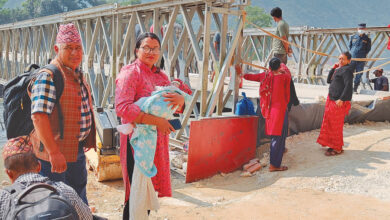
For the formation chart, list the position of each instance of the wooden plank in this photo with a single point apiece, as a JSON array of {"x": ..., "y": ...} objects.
[
  {"x": 205, "y": 60},
  {"x": 226, "y": 65},
  {"x": 187, "y": 113},
  {"x": 222, "y": 57},
  {"x": 238, "y": 60}
]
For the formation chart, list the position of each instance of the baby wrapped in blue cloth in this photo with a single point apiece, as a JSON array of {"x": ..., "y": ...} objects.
[{"x": 144, "y": 138}]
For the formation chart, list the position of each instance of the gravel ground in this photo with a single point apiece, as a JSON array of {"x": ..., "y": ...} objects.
[
  {"x": 362, "y": 170},
  {"x": 354, "y": 185}
]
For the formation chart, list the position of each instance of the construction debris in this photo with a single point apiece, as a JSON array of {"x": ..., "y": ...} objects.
[{"x": 251, "y": 167}]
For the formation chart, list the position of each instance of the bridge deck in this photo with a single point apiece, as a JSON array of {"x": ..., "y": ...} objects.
[{"x": 306, "y": 93}]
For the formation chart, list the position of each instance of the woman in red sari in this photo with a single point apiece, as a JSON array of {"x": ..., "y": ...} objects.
[
  {"x": 135, "y": 81},
  {"x": 337, "y": 105},
  {"x": 274, "y": 97}
]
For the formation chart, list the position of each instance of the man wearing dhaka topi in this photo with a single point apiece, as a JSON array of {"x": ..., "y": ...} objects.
[{"x": 59, "y": 142}]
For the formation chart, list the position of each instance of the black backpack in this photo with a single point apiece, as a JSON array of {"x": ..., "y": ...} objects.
[
  {"x": 17, "y": 103},
  {"x": 40, "y": 201}
]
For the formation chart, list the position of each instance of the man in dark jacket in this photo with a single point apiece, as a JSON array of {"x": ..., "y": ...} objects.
[{"x": 359, "y": 46}]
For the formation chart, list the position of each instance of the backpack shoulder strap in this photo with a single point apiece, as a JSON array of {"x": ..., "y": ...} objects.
[
  {"x": 58, "y": 81},
  {"x": 14, "y": 189}
]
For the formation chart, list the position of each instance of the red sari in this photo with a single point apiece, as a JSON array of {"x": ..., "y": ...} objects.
[
  {"x": 331, "y": 133},
  {"x": 135, "y": 81}
]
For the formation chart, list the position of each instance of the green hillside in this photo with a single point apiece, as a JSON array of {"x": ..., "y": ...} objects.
[
  {"x": 314, "y": 13},
  {"x": 331, "y": 13},
  {"x": 12, "y": 3}
]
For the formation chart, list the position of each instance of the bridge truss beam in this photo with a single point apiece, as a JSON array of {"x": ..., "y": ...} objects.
[
  {"x": 308, "y": 67},
  {"x": 108, "y": 40}
]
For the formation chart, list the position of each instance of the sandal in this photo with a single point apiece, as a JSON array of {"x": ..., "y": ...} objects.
[
  {"x": 331, "y": 152},
  {"x": 274, "y": 169}
]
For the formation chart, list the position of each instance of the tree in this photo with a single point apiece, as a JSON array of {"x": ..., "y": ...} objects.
[
  {"x": 131, "y": 2},
  {"x": 96, "y": 2},
  {"x": 50, "y": 7},
  {"x": 69, "y": 5},
  {"x": 2, "y": 2},
  {"x": 31, "y": 8},
  {"x": 38, "y": 8},
  {"x": 258, "y": 16},
  {"x": 125, "y": 2},
  {"x": 5, "y": 16}
]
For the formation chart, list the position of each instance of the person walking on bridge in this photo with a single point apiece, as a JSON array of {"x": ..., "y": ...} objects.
[
  {"x": 63, "y": 158},
  {"x": 359, "y": 46}
]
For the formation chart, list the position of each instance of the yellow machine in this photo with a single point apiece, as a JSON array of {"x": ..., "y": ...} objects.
[{"x": 105, "y": 160}]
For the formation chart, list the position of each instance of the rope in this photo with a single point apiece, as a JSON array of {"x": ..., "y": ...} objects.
[
  {"x": 310, "y": 50},
  {"x": 254, "y": 65},
  {"x": 315, "y": 52},
  {"x": 374, "y": 68},
  {"x": 367, "y": 70}
]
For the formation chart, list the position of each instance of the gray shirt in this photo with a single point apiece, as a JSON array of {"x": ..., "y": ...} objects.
[{"x": 281, "y": 30}]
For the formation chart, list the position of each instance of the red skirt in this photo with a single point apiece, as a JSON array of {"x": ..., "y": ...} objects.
[{"x": 331, "y": 134}]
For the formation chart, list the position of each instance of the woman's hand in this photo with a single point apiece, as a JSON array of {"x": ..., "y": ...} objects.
[
  {"x": 238, "y": 69},
  {"x": 164, "y": 126},
  {"x": 161, "y": 124},
  {"x": 174, "y": 99},
  {"x": 339, "y": 103}
]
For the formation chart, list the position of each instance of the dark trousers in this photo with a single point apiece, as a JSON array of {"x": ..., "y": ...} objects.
[
  {"x": 74, "y": 176},
  {"x": 359, "y": 67},
  {"x": 278, "y": 144},
  {"x": 130, "y": 169}
]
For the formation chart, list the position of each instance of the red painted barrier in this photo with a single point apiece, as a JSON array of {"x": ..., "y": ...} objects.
[{"x": 220, "y": 145}]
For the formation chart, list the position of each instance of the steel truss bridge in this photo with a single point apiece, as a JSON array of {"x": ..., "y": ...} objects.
[{"x": 108, "y": 38}]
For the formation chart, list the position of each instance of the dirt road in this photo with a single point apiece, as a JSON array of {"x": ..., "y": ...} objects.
[{"x": 354, "y": 185}]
